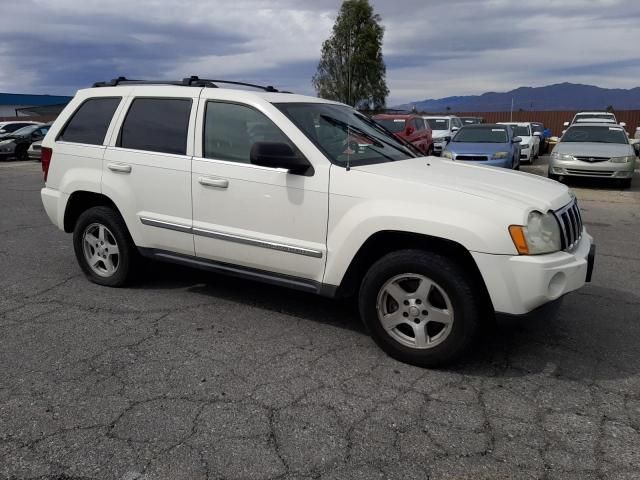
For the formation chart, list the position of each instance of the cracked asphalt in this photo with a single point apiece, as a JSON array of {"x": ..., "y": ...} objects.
[{"x": 190, "y": 375}]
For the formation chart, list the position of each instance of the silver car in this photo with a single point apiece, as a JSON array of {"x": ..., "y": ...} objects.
[{"x": 593, "y": 150}]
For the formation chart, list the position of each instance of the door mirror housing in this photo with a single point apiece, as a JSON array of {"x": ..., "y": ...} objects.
[
  {"x": 623, "y": 124},
  {"x": 537, "y": 134},
  {"x": 565, "y": 124},
  {"x": 516, "y": 140},
  {"x": 280, "y": 155},
  {"x": 410, "y": 131},
  {"x": 455, "y": 129}
]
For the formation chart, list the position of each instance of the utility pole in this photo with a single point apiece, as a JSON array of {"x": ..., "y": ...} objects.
[{"x": 511, "y": 113}]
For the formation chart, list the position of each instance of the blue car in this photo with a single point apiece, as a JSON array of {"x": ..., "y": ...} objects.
[{"x": 485, "y": 144}]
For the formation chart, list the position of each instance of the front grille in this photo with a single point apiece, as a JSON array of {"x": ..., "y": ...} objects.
[
  {"x": 592, "y": 159},
  {"x": 589, "y": 173},
  {"x": 472, "y": 157},
  {"x": 570, "y": 222}
]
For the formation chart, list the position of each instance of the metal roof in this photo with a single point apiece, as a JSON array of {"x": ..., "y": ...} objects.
[{"x": 32, "y": 100}]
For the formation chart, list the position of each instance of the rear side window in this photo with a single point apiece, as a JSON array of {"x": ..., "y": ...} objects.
[
  {"x": 157, "y": 125},
  {"x": 90, "y": 122}
]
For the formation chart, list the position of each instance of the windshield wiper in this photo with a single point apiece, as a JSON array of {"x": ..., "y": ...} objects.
[{"x": 411, "y": 148}]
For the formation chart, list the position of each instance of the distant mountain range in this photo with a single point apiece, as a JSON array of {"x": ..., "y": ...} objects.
[{"x": 560, "y": 96}]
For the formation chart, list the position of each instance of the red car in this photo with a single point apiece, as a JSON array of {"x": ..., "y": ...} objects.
[{"x": 411, "y": 128}]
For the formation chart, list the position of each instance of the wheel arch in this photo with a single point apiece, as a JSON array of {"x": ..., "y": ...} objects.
[
  {"x": 387, "y": 241},
  {"x": 82, "y": 200}
]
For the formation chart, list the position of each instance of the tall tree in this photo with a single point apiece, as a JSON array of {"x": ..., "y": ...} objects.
[{"x": 351, "y": 69}]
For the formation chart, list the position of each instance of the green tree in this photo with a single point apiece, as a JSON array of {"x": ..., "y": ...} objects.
[
  {"x": 610, "y": 109},
  {"x": 351, "y": 69}
]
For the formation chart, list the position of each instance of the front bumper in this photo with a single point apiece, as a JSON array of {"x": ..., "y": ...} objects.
[
  {"x": 439, "y": 146},
  {"x": 519, "y": 284},
  {"x": 578, "y": 168},
  {"x": 525, "y": 153}
]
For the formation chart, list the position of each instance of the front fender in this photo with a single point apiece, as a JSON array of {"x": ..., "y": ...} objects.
[{"x": 352, "y": 222}]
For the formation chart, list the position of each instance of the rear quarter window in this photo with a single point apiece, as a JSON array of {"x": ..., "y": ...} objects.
[
  {"x": 90, "y": 122},
  {"x": 157, "y": 125}
]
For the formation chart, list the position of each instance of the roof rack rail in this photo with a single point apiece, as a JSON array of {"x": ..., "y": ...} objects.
[{"x": 193, "y": 81}]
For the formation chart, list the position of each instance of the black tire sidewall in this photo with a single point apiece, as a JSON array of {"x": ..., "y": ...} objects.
[
  {"x": 449, "y": 277},
  {"x": 112, "y": 220}
]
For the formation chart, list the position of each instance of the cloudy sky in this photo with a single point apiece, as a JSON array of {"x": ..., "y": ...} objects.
[{"x": 432, "y": 48}]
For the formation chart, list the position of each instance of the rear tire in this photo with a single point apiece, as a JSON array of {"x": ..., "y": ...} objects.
[
  {"x": 21, "y": 153},
  {"x": 103, "y": 247},
  {"x": 430, "y": 325},
  {"x": 430, "y": 151}
]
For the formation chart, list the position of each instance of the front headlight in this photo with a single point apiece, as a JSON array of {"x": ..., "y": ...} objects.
[
  {"x": 447, "y": 154},
  {"x": 499, "y": 155},
  {"x": 562, "y": 156},
  {"x": 628, "y": 159},
  {"x": 540, "y": 235},
  {"x": 524, "y": 146},
  {"x": 5, "y": 142}
]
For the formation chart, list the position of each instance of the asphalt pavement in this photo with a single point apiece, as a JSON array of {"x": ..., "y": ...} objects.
[{"x": 191, "y": 375}]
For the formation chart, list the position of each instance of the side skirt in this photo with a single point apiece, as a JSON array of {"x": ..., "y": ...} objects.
[{"x": 278, "y": 279}]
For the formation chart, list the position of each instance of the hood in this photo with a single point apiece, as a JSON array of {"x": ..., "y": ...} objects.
[
  {"x": 592, "y": 149},
  {"x": 528, "y": 191},
  {"x": 470, "y": 147}
]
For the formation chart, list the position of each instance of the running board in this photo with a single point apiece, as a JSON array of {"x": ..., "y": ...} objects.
[{"x": 281, "y": 280}]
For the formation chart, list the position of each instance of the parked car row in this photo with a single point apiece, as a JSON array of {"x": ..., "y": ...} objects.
[
  {"x": 17, "y": 143},
  {"x": 593, "y": 145}
]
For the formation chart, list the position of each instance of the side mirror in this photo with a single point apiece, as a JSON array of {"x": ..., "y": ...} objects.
[
  {"x": 537, "y": 134},
  {"x": 623, "y": 124},
  {"x": 636, "y": 147},
  {"x": 516, "y": 140},
  {"x": 455, "y": 129},
  {"x": 410, "y": 131},
  {"x": 565, "y": 124},
  {"x": 279, "y": 155}
]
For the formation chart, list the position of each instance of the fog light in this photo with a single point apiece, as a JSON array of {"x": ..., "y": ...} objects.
[{"x": 557, "y": 285}]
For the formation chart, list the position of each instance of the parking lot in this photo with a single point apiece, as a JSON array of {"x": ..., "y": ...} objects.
[{"x": 190, "y": 375}]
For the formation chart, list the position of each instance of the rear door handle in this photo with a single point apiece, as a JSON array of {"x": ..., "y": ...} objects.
[
  {"x": 213, "y": 182},
  {"x": 119, "y": 167}
]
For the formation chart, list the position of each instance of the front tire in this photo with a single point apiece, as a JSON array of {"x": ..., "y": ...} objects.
[
  {"x": 21, "y": 153},
  {"x": 420, "y": 307},
  {"x": 104, "y": 250}
]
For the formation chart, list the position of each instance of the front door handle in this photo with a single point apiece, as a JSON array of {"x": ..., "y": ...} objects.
[
  {"x": 213, "y": 182},
  {"x": 119, "y": 167}
]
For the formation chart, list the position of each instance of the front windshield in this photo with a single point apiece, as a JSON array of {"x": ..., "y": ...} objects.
[
  {"x": 595, "y": 135},
  {"x": 604, "y": 116},
  {"x": 26, "y": 130},
  {"x": 394, "y": 125},
  {"x": 520, "y": 131},
  {"x": 345, "y": 135},
  {"x": 438, "y": 123},
  {"x": 481, "y": 135}
]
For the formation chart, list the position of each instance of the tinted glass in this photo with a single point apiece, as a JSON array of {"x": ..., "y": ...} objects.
[
  {"x": 595, "y": 134},
  {"x": 230, "y": 131},
  {"x": 481, "y": 135},
  {"x": 157, "y": 125},
  {"x": 519, "y": 131},
  {"x": 438, "y": 123},
  {"x": 345, "y": 135},
  {"x": 538, "y": 128},
  {"x": 604, "y": 116},
  {"x": 13, "y": 127},
  {"x": 394, "y": 125},
  {"x": 90, "y": 122},
  {"x": 26, "y": 130}
]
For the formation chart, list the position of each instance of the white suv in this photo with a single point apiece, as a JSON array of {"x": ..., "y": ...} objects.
[
  {"x": 442, "y": 128},
  {"x": 309, "y": 194}
]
